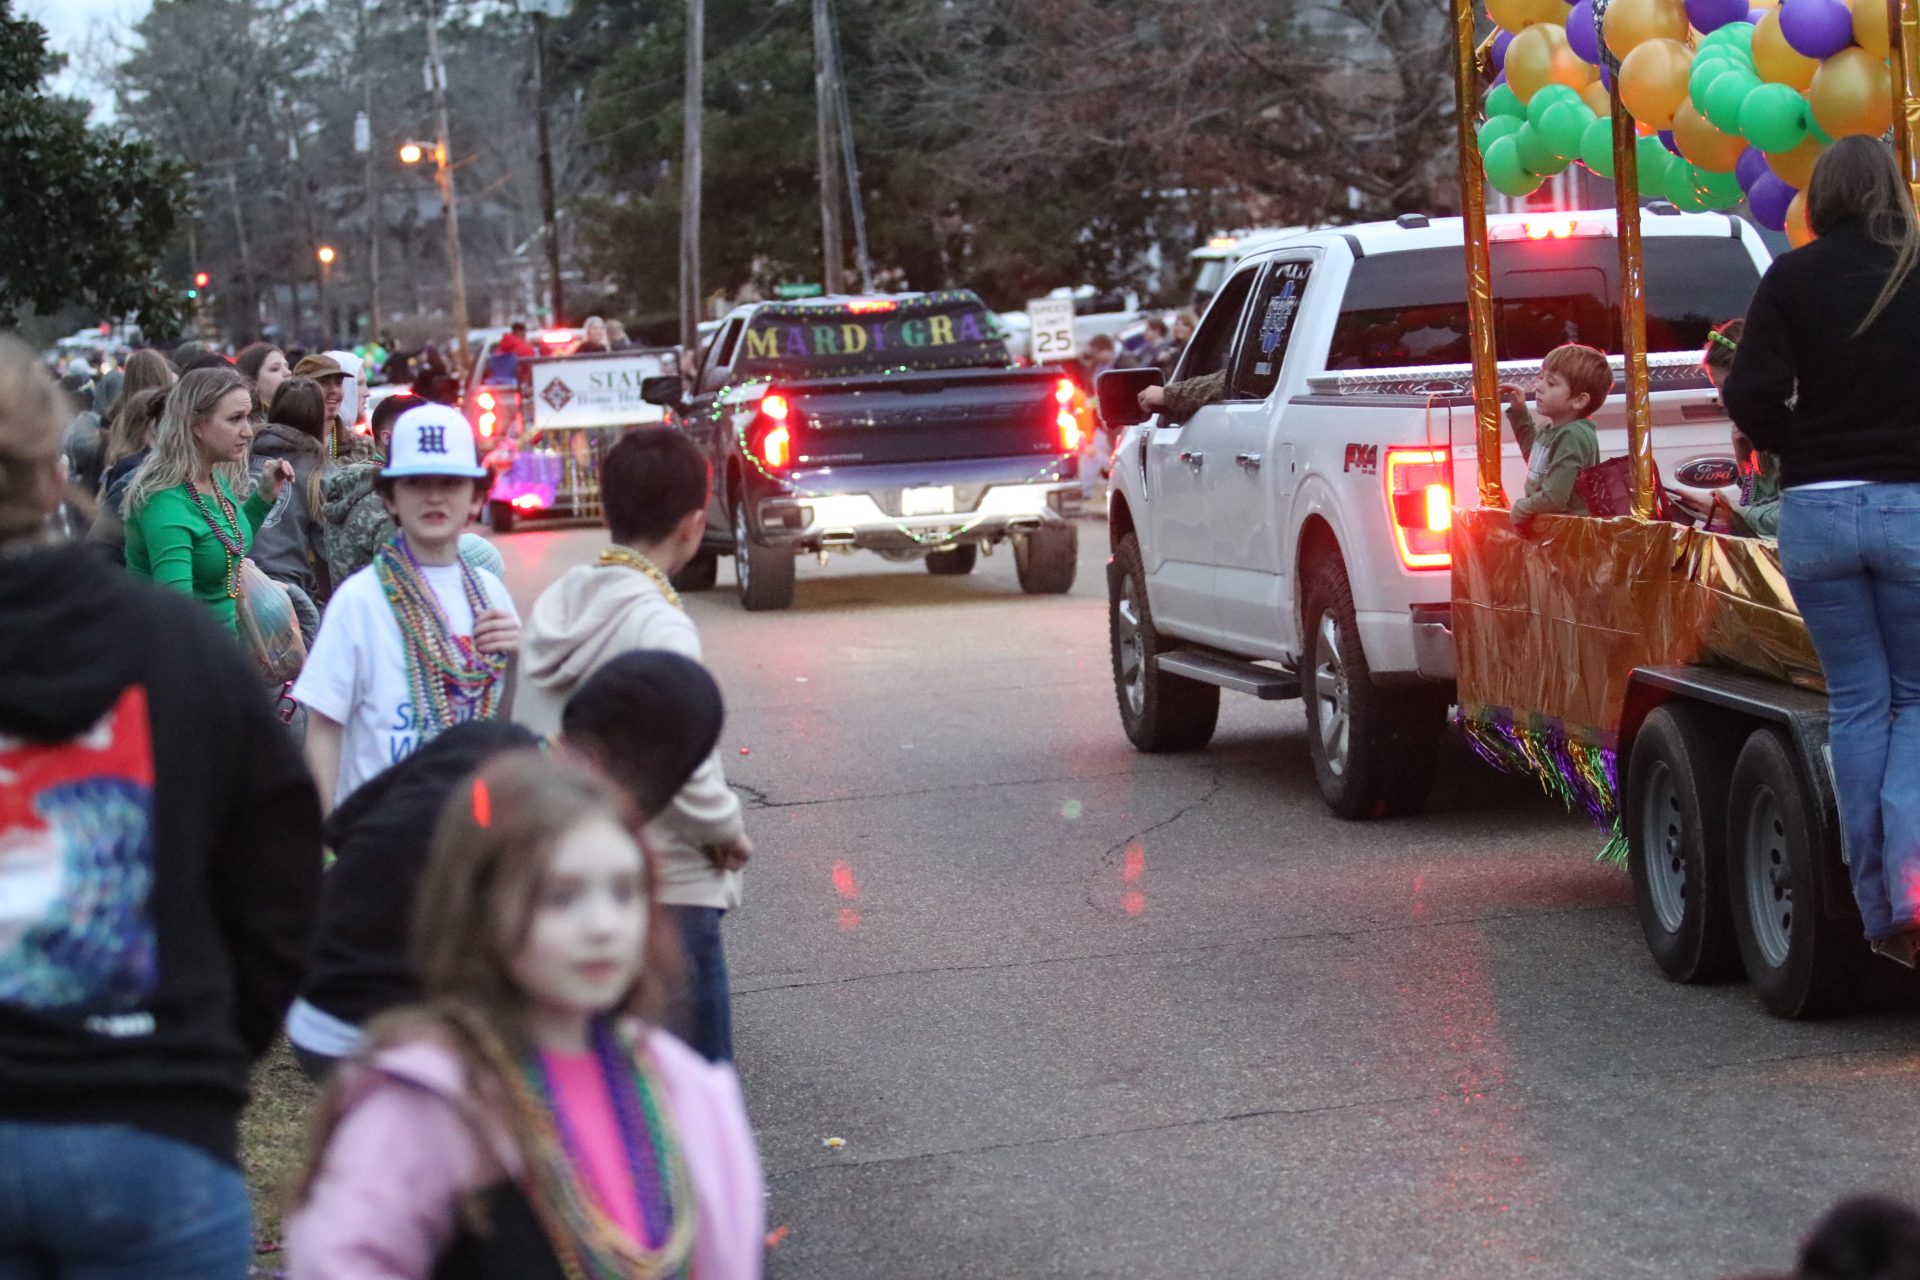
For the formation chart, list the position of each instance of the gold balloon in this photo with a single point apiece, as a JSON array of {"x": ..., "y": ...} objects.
[
  {"x": 1540, "y": 56},
  {"x": 1776, "y": 60},
  {"x": 1798, "y": 232},
  {"x": 1653, "y": 80},
  {"x": 1852, "y": 93},
  {"x": 1517, "y": 15},
  {"x": 1703, "y": 144},
  {"x": 1631, "y": 23},
  {"x": 1595, "y": 95},
  {"x": 1870, "y": 27},
  {"x": 1795, "y": 167}
]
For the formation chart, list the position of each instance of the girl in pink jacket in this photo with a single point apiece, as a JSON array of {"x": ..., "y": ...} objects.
[{"x": 528, "y": 1122}]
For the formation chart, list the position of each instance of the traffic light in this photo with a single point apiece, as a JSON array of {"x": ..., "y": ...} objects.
[{"x": 200, "y": 279}]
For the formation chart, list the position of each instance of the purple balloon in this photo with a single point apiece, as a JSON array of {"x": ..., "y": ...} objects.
[
  {"x": 1666, "y": 140},
  {"x": 1606, "y": 75},
  {"x": 1769, "y": 199},
  {"x": 1816, "y": 28},
  {"x": 1750, "y": 168},
  {"x": 1580, "y": 34},
  {"x": 1497, "y": 82},
  {"x": 1706, "y": 15},
  {"x": 1500, "y": 43}
]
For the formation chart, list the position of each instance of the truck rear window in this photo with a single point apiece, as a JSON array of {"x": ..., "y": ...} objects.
[
  {"x": 1410, "y": 308},
  {"x": 951, "y": 330}
]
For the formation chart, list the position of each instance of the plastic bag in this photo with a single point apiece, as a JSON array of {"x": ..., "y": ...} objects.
[{"x": 269, "y": 629}]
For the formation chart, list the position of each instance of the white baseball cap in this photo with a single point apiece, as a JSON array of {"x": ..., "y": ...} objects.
[{"x": 432, "y": 440}]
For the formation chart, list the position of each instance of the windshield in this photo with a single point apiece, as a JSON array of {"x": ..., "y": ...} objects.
[
  {"x": 951, "y": 330},
  {"x": 1411, "y": 308}
]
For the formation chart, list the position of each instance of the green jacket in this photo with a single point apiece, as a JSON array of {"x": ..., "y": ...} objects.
[
  {"x": 1762, "y": 512},
  {"x": 357, "y": 523},
  {"x": 1555, "y": 458},
  {"x": 170, "y": 543}
]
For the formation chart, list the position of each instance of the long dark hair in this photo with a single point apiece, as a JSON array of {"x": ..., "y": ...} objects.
[
  {"x": 300, "y": 404},
  {"x": 1858, "y": 178}
]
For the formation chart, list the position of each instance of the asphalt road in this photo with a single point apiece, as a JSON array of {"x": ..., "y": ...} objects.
[{"x": 1074, "y": 1011}]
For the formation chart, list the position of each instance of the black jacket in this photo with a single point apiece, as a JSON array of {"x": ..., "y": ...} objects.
[
  {"x": 178, "y": 834},
  {"x": 380, "y": 835},
  {"x": 1857, "y": 417}
]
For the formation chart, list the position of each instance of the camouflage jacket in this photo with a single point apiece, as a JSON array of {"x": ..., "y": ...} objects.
[
  {"x": 357, "y": 521},
  {"x": 1190, "y": 395}
]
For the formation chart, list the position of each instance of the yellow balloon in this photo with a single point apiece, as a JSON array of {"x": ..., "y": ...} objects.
[
  {"x": 1852, "y": 93},
  {"x": 1653, "y": 80},
  {"x": 1795, "y": 167},
  {"x": 1595, "y": 95},
  {"x": 1703, "y": 144},
  {"x": 1870, "y": 27},
  {"x": 1798, "y": 232},
  {"x": 1517, "y": 15},
  {"x": 1631, "y": 23},
  {"x": 1776, "y": 60},
  {"x": 1540, "y": 56}
]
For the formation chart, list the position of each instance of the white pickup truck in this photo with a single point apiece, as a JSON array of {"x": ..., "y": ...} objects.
[{"x": 1291, "y": 537}]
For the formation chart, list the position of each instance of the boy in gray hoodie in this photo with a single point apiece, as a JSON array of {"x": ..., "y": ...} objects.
[{"x": 654, "y": 493}]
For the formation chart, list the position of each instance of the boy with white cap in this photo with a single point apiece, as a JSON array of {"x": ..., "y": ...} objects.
[{"x": 419, "y": 640}]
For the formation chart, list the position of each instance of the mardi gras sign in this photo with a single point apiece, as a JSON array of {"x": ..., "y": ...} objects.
[{"x": 1730, "y": 102}]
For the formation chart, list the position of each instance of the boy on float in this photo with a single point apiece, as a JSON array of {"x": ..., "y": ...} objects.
[
  {"x": 1574, "y": 382},
  {"x": 419, "y": 640}
]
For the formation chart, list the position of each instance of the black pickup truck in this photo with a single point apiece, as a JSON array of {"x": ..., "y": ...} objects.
[{"x": 895, "y": 424}]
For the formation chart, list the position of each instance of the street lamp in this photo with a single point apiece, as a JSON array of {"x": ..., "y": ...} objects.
[
  {"x": 325, "y": 255},
  {"x": 410, "y": 153}
]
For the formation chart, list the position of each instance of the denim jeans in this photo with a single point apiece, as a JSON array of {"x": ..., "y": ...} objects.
[
  {"x": 1852, "y": 559},
  {"x": 105, "y": 1202},
  {"x": 704, "y": 1012}
]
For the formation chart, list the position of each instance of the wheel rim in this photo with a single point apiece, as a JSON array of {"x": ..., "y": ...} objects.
[
  {"x": 1330, "y": 696},
  {"x": 1769, "y": 883},
  {"x": 1663, "y": 835},
  {"x": 1131, "y": 646},
  {"x": 741, "y": 571}
]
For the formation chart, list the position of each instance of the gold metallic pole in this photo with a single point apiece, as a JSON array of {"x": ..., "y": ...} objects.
[
  {"x": 1473, "y": 214},
  {"x": 1633, "y": 310},
  {"x": 1903, "y": 41}
]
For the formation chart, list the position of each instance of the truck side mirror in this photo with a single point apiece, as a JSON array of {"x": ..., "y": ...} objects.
[
  {"x": 1119, "y": 391},
  {"x": 667, "y": 389}
]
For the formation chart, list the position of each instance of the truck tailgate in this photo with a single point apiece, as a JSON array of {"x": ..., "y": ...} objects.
[{"x": 925, "y": 416}]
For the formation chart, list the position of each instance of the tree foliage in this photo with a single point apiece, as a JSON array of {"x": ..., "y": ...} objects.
[{"x": 88, "y": 212}]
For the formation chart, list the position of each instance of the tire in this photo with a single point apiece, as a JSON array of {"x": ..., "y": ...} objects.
[
  {"x": 1675, "y": 816},
  {"x": 1374, "y": 750},
  {"x": 501, "y": 515},
  {"x": 1160, "y": 712},
  {"x": 765, "y": 573},
  {"x": 955, "y": 561},
  {"x": 1800, "y": 963},
  {"x": 700, "y": 573},
  {"x": 1046, "y": 560}
]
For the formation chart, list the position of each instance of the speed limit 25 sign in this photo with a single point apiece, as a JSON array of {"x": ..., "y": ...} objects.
[{"x": 1050, "y": 328}]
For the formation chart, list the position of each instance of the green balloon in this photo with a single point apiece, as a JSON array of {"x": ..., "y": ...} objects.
[
  {"x": 1774, "y": 117},
  {"x": 1505, "y": 172},
  {"x": 1653, "y": 160},
  {"x": 1707, "y": 67},
  {"x": 1683, "y": 187},
  {"x": 1719, "y": 190},
  {"x": 1813, "y": 127},
  {"x": 1536, "y": 155},
  {"x": 1503, "y": 101},
  {"x": 1564, "y": 125},
  {"x": 1596, "y": 146},
  {"x": 1725, "y": 97},
  {"x": 1498, "y": 127},
  {"x": 1548, "y": 97},
  {"x": 1737, "y": 34}
]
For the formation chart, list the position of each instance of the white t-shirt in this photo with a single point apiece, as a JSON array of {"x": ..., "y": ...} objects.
[{"x": 356, "y": 673}]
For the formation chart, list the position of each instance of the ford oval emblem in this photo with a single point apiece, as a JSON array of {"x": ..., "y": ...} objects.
[{"x": 1707, "y": 473}]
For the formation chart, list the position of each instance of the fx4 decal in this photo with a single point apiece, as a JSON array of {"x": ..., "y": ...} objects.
[{"x": 1363, "y": 458}]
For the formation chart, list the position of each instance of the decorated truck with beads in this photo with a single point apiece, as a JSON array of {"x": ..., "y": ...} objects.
[{"x": 896, "y": 424}]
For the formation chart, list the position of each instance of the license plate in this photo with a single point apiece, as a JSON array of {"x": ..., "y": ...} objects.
[{"x": 929, "y": 500}]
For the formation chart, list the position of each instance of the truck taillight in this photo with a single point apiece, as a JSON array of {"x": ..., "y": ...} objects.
[
  {"x": 486, "y": 400},
  {"x": 776, "y": 434},
  {"x": 1420, "y": 495},
  {"x": 1064, "y": 416},
  {"x": 488, "y": 420}
]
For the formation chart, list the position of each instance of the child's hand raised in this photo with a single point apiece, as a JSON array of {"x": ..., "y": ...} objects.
[
  {"x": 1516, "y": 398},
  {"x": 496, "y": 631}
]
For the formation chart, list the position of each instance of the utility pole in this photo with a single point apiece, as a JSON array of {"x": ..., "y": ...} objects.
[
  {"x": 832, "y": 244},
  {"x": 862, "y": 258},
  {"x": 690, "y": 178},
  {"x": 546, "y": 167},
  {"x": 373, "y": 195},
  {"x": 443, "y": 176}
]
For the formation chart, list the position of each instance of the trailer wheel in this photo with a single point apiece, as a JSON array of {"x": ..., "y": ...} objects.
[
  {"x": 1159, "y": 711},
  {"x": 765, "y": 574},
  {"x": 1675, "y": 817},
  {"x": 1046, "y": 560},
  {"x": 501, "y": 516},
  {"x": 1374, "y": 750},
  {"x": 954, "y": 561},
  {"x": 700, "y": 573},
  {"x": 1800, "y": 963}
]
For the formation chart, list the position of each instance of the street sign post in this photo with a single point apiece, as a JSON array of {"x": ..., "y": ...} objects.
[
  {"x": 1050, "y": 330},
  {"x": 791, "y": 291}
]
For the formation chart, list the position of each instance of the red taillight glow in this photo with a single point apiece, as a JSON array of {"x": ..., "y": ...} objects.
[
  {"x": 1069, "y": 431},
  {"x": 778, "y": 421},
  {"x": 528, "y": 502},
  {"x": 486, "y": 400},
  {"x": 1555, "y": 229},
  {"x": 1420, "y": 496},
  {"x": 555, "y": 337},
  {"x": 488, "y": 421},
  {"x": 776, "y": 447},
  {"x": 868, "y": 306},
  {"x": 776, "y": 407},
  {"x": 1063, "y": 391}
]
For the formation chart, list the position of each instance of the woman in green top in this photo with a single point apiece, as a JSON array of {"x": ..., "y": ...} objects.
[{"x": 185, "y": 528}]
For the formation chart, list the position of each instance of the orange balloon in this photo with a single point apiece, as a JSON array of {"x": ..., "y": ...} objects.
[
  {"x": 1870, "y": 27},
  {"x": 1517, "y": 15},
  {"x": 1653, "y": 80},
  {"x": 1596, "y": 97},
  {"x": 1776, "y": 60},
  {"x": 1631, "y": 23},
  {"x": 1703, "y": 144},
  {"x": 1798, "y": 232},
  {"x": 1795, "y": 167},
  {"x": 1852, "y": 93},
  {"x": 1540, "y": 56}
]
